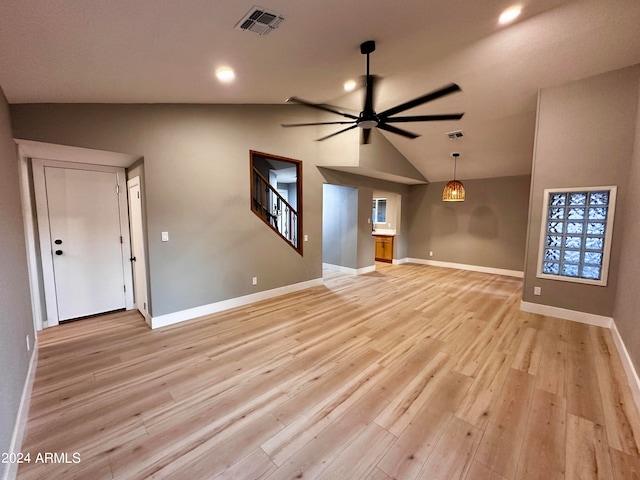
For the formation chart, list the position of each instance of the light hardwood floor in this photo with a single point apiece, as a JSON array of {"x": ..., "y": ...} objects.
[{"x": 408, "y": 372}]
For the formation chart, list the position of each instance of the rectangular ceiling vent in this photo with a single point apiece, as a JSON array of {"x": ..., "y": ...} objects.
[
  {"x": 259, "y": 20},
  {"x": 455, "y": 135}
]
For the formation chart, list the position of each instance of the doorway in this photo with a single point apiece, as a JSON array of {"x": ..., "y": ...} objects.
[{"x": 84, "y": 239}]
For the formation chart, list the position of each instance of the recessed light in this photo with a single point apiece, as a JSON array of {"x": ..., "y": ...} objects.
[
  {"x": 225, "y": 74},
  {"x": 349, "y": 85},
  {"x": 509, "y": 15}
]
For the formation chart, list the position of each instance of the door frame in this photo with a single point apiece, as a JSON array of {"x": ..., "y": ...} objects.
[
  {"x": 46, "y": 248},
  {"x": 143, "y": 309}
]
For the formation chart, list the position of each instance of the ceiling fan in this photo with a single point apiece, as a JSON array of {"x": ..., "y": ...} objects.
[{"x": 369, "y": 119}]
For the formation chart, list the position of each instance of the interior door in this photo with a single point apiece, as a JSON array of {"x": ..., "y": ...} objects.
[
  {"x": 84, "y": 227},
  {"x": 137, "y": 246}
]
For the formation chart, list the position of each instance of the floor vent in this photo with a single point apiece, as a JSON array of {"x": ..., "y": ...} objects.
[{"x": 259, "y": 20}]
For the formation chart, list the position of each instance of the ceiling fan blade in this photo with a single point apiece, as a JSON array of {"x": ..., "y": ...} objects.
[
  {"x": 336, "y": 133},
  {"x": 449, "y": 89},
  {"x": 425, "y": 118},
  {"x": 366, "y": 132},
  {"x": 316, "y": 123},
  {"x": 320, "y": 107},
  {"x": 398, "y": 131}
]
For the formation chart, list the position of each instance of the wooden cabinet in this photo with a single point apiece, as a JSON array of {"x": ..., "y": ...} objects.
[{"x": 384, "y": 248}]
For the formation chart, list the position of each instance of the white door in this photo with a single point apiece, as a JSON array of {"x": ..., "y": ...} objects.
[
  {"x": 86, "y": 241},
  {"x": 137, "y": 246}
]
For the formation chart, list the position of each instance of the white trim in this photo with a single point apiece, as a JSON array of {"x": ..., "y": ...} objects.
[
  {"x": 20, "y": 426},
  {"x": 67, "y": 153},
  {"x": 630, "y": 370},
  {"x": 349, "y": 271},
  {"x": 573, "y": 315},
  {"x": 30, "y": 236},
  {"x": 399, "y": 261},
  {"x": 462, "y": 266},
  {"x": 144, "y": 310},
  {"x": 38, "y": 166},
  {"x": 191, "y": 313}
]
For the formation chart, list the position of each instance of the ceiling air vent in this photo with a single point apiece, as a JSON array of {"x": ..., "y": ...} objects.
[
  {"x": 455, "y": 135},
  {"x": 259, "y": 20}
]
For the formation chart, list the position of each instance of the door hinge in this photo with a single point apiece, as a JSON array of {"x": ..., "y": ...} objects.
[
  {"x": 125, "y": 288},
  {"x": 145, "y": 306},
  {"x": 138, "y": 194},
  {"x": 121, "y": 239},
  {"x": 117, "y": 189}
]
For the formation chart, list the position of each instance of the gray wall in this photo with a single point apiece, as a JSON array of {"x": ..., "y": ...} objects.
[
  {"x": 627, "y": 301},
  {"x": 366, "y": 242},
  {"x": 584, "y": 137},
  {"x": 340, "y": 226},
  {"x": 196, "y": 167},
  {"x": 16, "y": 320},
  {"x": 488, "y": 229}
]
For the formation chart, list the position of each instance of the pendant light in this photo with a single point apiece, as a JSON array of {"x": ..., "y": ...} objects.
[{"x": 454, "y": 190}]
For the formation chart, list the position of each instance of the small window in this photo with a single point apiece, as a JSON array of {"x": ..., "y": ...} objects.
[
  {"x": 379, "y": 213},
  {"x": 576, "y": 234}
]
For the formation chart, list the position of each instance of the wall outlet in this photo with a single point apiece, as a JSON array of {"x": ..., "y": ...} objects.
[
  {"x": 165, "y": 236},
  {"x": 430, "y": 253},
  {"x": 254, "y": 281},
  {"x": 306, "y": 238},
  {"x": 537, "y": 290},
  {"x": 28, "y": 344}
]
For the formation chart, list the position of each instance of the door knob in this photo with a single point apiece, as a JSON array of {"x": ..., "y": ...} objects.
[
  {"x": 58, "y": 252},
  {"x": 58, "y": 242}
]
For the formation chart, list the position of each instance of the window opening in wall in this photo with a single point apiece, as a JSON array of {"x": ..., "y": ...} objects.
[
  {"x": 379, "y": 213},
  {"x": 577, "y": 224},
  {"x": 276, "y": 195}
]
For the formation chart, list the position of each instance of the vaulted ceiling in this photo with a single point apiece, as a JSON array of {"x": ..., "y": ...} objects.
[{"x": 166, "y": 51}]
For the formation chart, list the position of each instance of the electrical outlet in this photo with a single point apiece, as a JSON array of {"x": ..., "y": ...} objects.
[
  {"x": 28, "y": 344},
  {"x": 254, "y": 281},
  {"x": 165, "y": 236},
  {"x": 537, "y": 290},
  {"x": 430, "y": 253},
  {"x": 306, "y": 238}
]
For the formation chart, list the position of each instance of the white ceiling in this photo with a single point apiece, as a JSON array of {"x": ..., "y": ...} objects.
[{"x": 165, "y": 51}]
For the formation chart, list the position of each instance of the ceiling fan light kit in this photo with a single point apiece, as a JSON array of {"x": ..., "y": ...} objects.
[
  {"x": 369, "y": 118},
  {"x": 454, "y": 190}
]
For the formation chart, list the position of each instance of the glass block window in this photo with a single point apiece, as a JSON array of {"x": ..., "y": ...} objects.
[{"x": 576, "y": 234}]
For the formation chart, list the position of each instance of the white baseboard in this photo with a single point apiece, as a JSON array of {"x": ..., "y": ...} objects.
[
  {"x": 349, "y": 271},
  {"x": 462, "y": 266},
  {"x": 23, "y": 411},
  {"x": 191, "y": 313},
  {"x": 400, "y": 261},
  {"x": 581, "y": 317},
  {"x": 629, "y": 369}
]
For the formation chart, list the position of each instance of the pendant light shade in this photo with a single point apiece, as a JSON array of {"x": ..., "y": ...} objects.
[{"x": 454, "y": 190}]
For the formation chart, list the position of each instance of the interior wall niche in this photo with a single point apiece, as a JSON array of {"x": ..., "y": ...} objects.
[{"x": 276, "y": 195}]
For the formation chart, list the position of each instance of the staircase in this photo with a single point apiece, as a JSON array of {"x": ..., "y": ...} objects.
[{"x": 274, "y": 210}]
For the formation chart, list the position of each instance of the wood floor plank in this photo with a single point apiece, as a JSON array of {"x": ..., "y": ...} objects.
[
  {"x": 583, "y": 391},
  {"x": 478, "y": 471},
  {"x": 408, "y": 372},
  {"x": 477, "y": 406},
  {"x": 620, "y": 415},
  {"x": 587, "y": 455},
  {"x": 453, "y": 454},
  {"x": 543, "y": 448},
  {"x": 502, "y": 441},
  {"x": 410, "y": 452}
]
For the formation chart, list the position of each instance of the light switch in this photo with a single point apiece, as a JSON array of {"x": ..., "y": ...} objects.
[{"x": 165, "y": 236}]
